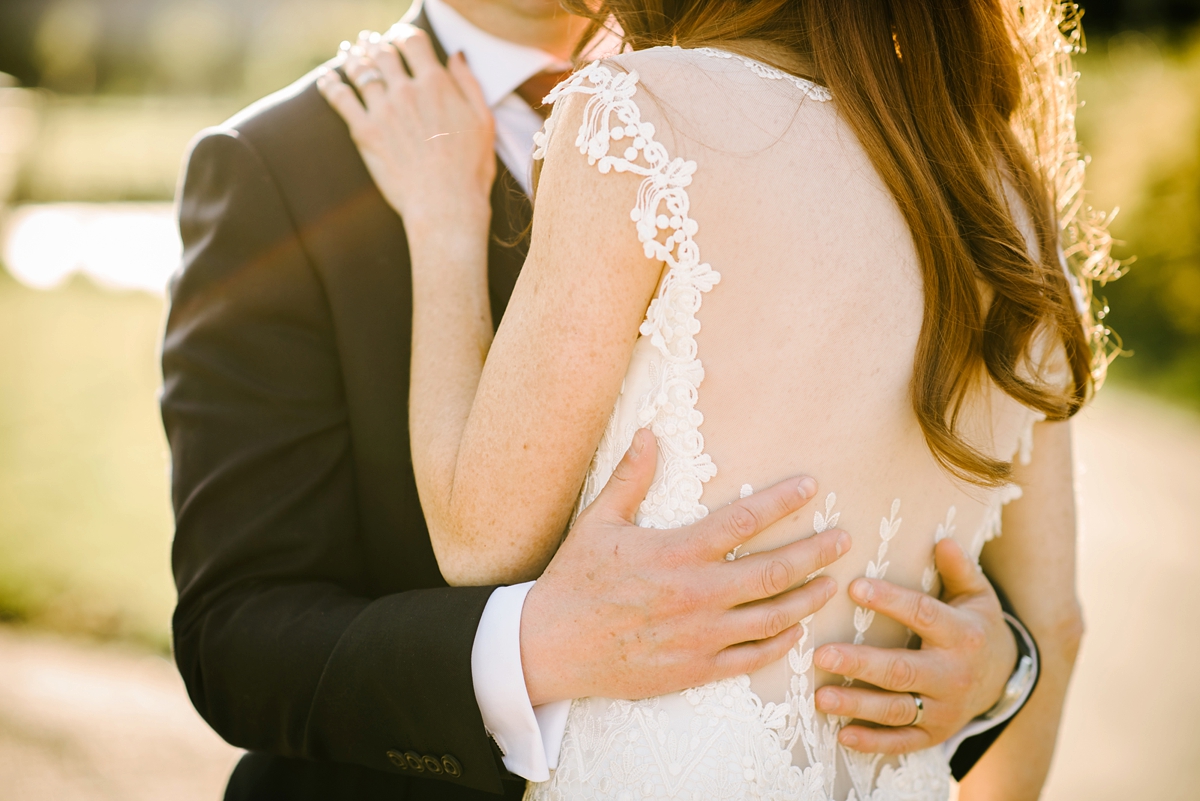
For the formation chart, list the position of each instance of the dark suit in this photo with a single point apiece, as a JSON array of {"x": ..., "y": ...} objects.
[{"x": 313, "y": 627}]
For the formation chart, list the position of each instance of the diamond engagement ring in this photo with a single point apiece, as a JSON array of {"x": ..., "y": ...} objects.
[
  {"x": 368, "y": 77},
  {"x": 920, "y": 710}
]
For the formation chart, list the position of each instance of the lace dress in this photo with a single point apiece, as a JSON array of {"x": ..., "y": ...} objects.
[{"x": 812, "y": 307}]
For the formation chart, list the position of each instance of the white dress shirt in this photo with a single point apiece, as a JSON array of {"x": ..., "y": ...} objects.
[
  {"x": 500, "y": 67},
  {"x": 529, "y": 738}
]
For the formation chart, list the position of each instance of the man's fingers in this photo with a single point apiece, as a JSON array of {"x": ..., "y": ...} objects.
[
  {"x": 630, "y": 481},
  {"x": 897, "y": 669},
  {"x": 860, "y": 703},
  {"x": 748, "y": 657},
  {"x": 726, "y": 529},
  {"x": 960, "y": 575},
  {"x": 933, "y": 620},
  {"x": 765, "y": 619},
  {"x": 763, "y": 575},
  {"x": 885, "y": 741}
]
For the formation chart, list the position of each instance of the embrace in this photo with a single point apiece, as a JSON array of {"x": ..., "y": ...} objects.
[{"x": 685, "y": 479}]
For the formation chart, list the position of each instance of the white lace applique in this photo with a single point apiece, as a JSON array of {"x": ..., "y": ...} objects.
[
  {"x": 811, "y": 90},
  {"x": 877, "y": 569},
  {"x": 829, "y": 518},
  {"x": 944, "y": 530},
  {"x": 719, "y": 742},
  {"x": 611, "y": 119},
  {"x": 1025, "y": 441},
  {"x": 823, "y": 521}
]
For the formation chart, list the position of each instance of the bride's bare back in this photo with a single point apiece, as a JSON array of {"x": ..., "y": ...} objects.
[{"x": 781, "y": 341}]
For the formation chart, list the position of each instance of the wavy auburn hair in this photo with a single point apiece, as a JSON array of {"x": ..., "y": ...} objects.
[{"x": 950, "y": 99}]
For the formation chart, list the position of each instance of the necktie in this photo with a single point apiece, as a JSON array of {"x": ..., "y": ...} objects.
[{"x": 537, "y": 87}]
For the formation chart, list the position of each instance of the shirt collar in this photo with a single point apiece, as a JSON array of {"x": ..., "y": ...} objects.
[{"x": 500, "y": 66}]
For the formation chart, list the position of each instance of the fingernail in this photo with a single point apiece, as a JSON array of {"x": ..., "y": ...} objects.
[
  {"x": 807, "y": 487},
  {"x": 862, "y": 590},
  {"x": 635, "y": 448},
  {"x": 829, "y": 659},
  {"x": 849, "y": 739},
  {"x": 843, "y": 544}
]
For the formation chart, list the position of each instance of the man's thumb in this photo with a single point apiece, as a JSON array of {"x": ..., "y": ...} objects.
[
  {"x": 631, "y": 479},
  {"x": 960, "y": 574}
]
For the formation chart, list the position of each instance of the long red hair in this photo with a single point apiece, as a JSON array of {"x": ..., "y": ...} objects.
[{"x": 951, "y": 99}]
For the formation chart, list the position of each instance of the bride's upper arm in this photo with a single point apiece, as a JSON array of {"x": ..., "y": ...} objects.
[{"x": 556, "y": 366}]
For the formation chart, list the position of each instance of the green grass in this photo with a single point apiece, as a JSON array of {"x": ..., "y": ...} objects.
[{"x": 85, "y": 522}]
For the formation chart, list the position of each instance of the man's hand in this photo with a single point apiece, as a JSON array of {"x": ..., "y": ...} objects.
[
  {"x": 967, "y": 655},
  {"x": 630, "y": 612}
]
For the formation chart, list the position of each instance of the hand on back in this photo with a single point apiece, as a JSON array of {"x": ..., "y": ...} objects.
[
  {"x": 630, "y": 612},
  {"x": 425, "y": 132},
  {"x": 967, "y": 654}
]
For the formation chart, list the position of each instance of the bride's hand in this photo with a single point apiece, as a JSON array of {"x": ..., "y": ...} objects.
[{"x": 426, "y": 138}]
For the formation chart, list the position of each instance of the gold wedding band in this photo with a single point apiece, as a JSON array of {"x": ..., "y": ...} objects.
[{"x": 920, "y": 710}]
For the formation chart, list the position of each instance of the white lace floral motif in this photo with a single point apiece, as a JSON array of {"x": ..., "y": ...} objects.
[
  {"x": 666, "y": 230},
  {"x": 719, "y": 742}
]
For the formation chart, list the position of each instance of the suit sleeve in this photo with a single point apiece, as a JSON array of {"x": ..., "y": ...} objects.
[{"x": 279, "y": 643}]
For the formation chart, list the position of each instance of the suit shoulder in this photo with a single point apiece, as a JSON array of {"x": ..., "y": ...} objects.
[
  {"x": 280, "y": 111},
  {"x": 299, "y": 143}
]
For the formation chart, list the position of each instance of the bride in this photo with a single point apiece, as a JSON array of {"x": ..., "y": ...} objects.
[{"x": 786, "y": 236}]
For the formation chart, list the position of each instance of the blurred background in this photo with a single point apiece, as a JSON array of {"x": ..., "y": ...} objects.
[{"x": 98, "y": 100}]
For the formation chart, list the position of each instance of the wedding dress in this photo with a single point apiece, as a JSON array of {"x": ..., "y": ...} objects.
[{"x": 781, "y": 341}]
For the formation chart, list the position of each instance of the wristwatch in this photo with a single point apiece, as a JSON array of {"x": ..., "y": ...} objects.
[{"x": 1023, "y": 677}]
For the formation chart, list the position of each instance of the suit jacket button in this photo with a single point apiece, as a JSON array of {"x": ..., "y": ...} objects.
[
  {"x": 452, "y": 766},
  {"x": 414, "y": 761},
  {"x": 397, "y": 759},
  {"x": 432, "y": 765}
]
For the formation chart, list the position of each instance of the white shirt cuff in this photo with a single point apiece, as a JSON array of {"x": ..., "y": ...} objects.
[
  {"x": 528, "y": 738},
  {"x": 980, "y": 725}
]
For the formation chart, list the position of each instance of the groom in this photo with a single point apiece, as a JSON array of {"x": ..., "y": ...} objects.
[{"x": 313, "y": 627}]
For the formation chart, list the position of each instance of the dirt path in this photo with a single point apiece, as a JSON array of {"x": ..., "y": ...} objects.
[
  {"x": 81, "y": 722},
  {"x": 1132, "y": 727}
]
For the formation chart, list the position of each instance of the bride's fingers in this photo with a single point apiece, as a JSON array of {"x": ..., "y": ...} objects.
[
  {"x": 388, "y": 60},
  {"x": 413, "y": 43},
  {"x": 366, "y": 77},
  {"x": 343, "y": 100},
  {"x": 469, "y": 86}
]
